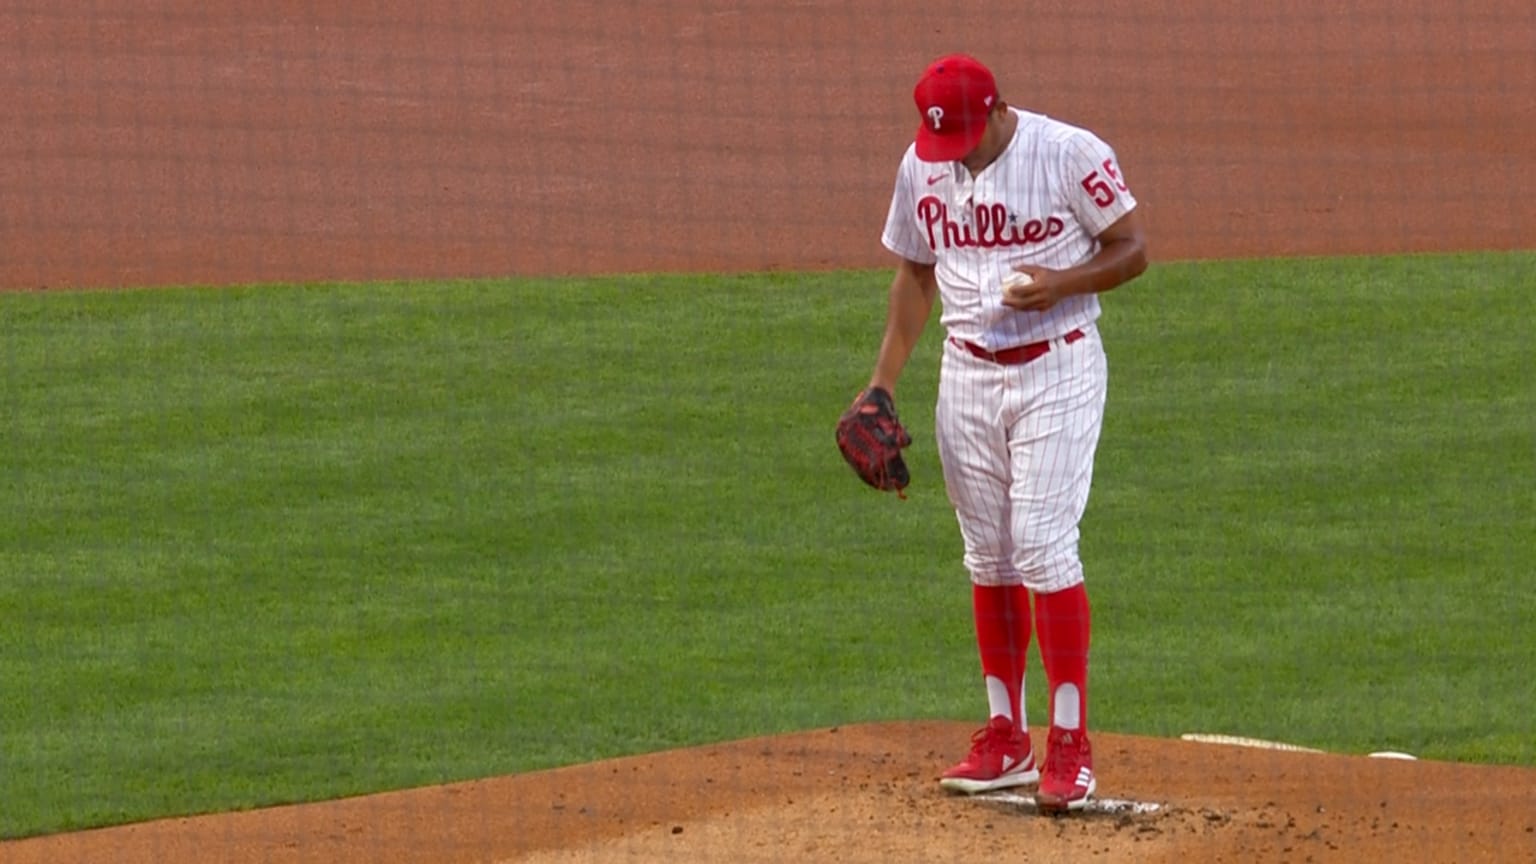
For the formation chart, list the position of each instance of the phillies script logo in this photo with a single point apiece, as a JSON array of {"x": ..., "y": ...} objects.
[{"x": 994, "y": 227}]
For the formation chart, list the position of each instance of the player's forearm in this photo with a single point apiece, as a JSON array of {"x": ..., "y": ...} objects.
[
  {"x": 911, "y": 301},
  {"x": 1116, "y": 263}
]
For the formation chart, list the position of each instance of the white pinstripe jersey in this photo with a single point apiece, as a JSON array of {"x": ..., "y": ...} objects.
[{"x": 1042, "y": 202}]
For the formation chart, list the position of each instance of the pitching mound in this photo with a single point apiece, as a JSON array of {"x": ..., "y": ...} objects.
[{"x": 865, "y": 793}]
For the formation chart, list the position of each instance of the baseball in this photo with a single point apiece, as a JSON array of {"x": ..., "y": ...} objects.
[{"x": 1017, "y": 279}]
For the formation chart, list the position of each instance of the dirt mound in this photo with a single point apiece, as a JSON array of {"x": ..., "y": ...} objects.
[{"x": 865, "y": 793}]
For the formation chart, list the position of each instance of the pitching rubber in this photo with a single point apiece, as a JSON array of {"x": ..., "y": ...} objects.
[{"x": 1114, "y": 806}]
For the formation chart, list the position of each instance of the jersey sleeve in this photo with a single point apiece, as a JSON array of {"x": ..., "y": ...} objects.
[
  {"x": 1096, "y": 189},
  {"x": 902, "y": 235}
]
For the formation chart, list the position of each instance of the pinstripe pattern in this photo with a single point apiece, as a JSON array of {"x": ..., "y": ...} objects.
[
  {"x": 1017, "y": 446},
  {"x": 1029, "y": 205},
  {"x": 1017, "y": 442}
]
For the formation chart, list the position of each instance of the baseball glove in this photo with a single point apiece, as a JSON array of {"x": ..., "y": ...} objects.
[{"x": 871, "y": 438}]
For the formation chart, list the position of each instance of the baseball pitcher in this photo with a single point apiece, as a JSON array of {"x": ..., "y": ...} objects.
[{"x": 1015, "y": 222}]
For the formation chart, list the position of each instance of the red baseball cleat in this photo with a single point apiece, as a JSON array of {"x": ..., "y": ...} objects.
[
  {"x": 1000, "y": 757},
  {"x": 1068, "y": 781}
]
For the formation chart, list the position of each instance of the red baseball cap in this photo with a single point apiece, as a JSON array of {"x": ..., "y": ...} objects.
[{"x": 954, "y": 98}]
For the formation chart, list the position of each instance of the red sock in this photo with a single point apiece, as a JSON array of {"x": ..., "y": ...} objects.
[
  {"x": 1063, "y": 621},
  {"x": 1002, "y": 633}
]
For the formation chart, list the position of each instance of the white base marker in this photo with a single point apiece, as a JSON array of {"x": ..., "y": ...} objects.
[{"x": 1240, "y": 741}]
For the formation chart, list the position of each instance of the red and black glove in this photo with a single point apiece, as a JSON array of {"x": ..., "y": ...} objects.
[{"x": 871, "y": 438}]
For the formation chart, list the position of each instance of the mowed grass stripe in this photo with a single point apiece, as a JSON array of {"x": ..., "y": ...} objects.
[{"x": 286, "y": 543}]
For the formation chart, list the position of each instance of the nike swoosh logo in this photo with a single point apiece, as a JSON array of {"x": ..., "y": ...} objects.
[{"x": 936, "y": 178}]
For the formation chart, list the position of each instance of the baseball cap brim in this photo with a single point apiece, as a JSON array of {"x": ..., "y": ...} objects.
[{"x": 939, "y": 147}]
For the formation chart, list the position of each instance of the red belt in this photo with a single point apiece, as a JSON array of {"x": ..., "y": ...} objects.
[{"x": 1017, "y": 355}]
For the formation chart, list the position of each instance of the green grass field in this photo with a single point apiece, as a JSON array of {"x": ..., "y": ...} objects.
[{"x": 274, "y": 544}]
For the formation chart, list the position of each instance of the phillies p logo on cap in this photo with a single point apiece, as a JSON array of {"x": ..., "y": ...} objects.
[{"x": 954, "y": 97}]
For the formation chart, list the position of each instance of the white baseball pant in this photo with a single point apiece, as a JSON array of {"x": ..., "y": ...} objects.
[{"x": 1017, "y": 445}]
